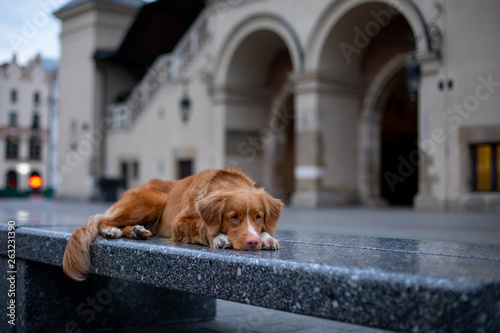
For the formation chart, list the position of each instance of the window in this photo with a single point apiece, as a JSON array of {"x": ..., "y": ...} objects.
[
  {"x": 485, "y": 168},
  {"x": 124, "y": 167},
  {"x": 12, "y": 148},
  {"x": 13, "y": 119},
  {"x": 36, "y": 99},
  {"x": 13, "y": 96},
  {"x": 74, "y": 136},
  {"x": 123, "y": 118},
  {"x": 36, "y": 122},
  {"x": 135, "y": 170},
  {"x": 35, "y": 148}
]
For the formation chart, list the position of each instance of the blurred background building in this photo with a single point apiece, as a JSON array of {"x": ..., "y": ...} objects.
[
  {"x": 323, "y": 102},
  {"x": 25, "y": 115}
]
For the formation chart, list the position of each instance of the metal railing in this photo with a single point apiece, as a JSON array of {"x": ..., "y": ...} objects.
[{"x": 166, "y": 68}]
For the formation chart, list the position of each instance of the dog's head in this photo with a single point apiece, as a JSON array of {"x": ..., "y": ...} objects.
[{"x": 241, "y": 215}]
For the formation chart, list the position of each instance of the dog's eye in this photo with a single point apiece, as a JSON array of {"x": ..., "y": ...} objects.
[
  {"x": 258, "y": 217},
  {"x": 235, "y": 217}
]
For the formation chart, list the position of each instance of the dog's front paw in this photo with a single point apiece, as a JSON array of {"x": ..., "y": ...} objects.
[
  {"x": 268, "y": 242},
  {"x": 222, "y": 241},
  {"x": 139, "y": 232},
  {"x": 111, "y": 232}
]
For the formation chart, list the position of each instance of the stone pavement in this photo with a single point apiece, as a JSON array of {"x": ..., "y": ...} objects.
[{"x": 232, "y": 317}]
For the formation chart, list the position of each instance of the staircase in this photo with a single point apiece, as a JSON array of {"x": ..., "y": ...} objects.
[{"x": 166, "y": 68}]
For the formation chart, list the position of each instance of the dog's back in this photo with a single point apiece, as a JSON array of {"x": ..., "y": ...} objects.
[{"x": 184, "y": 194}]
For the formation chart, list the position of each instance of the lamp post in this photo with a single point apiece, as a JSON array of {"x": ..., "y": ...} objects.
[
  {"x": 185, "y": 105},
  {"x": 412, "y": 70}
]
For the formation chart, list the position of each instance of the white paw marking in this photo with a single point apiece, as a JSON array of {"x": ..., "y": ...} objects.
[
  {"x": 222, "y": 241},
  {"x": 268, "y": 242},
  {"x": 139, "y": 232},
  {"x": 112, "y": 232}
]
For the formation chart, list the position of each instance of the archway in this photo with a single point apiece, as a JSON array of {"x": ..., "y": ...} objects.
[
  {"x": 358, "y": 52},
  {"x": 11, "y": 180},
  {"x": 392, "y": 117},
  {"x": 259, "y": 110},
  {"x": 399, "y": 148}
]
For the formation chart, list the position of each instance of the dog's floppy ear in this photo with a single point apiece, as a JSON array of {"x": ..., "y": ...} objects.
[
  {"x": 273, "y": 211},
  {"x": 211, "y": 210}
]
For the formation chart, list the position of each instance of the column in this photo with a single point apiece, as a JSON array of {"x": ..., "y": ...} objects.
[{"x": 308, "y": 167}]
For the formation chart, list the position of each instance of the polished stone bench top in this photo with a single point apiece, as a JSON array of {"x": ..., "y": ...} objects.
[{"x": 389, "y": 283}]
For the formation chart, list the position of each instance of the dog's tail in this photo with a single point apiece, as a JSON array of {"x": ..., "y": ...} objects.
[{"x": 76, "y": 261}]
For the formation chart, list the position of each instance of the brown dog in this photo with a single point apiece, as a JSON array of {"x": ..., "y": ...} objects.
[{"x": 217, "y": 208}]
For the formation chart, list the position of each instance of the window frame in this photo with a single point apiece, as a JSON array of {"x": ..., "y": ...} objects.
[
  {"x": 35, "y": 122},
  {"x": 494, "y": 185},
  {"x": 12, "y": 145},
  {"x": 35, "y": 148},
  {"x": 14, "y": 96},
  {"x": 13, "y": 119},
  {"x": 36, "y": 98}
]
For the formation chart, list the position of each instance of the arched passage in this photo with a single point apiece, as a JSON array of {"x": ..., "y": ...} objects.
[
  {"x": 11, "y": 180},
  {"x": 257, "y": 100},
  {"x": 398, "y": 146},
  {"x": 354, "y": 43},
  {"x": 338, "y": 32}
]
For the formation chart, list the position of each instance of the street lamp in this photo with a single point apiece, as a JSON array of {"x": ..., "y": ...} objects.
[
  {"x": 185, "y": 105},
  {"x": 412, "y": 70},
  {"x": 185, "y": 108},
  {"x": 23, "y": 168}
]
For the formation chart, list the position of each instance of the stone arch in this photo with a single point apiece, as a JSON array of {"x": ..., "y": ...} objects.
[
  {"x": 330, "y": 27},
  {"x": 258, "y": 23},
  {"x": 255, "y": 96},
  {"x": 341, "y": 62},
  {"x": 11, "y": 180},
  {"x": 369, "y": 131}
]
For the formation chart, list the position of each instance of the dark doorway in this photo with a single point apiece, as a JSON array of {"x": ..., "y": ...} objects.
[
  {"x": 124, "y": 170},
  {"x": 285, "y": 159},
  {"x": 185, "y": 168},
  {"x": 11, "y": 180},
  {"x": 399, "y": 149},
  {"x": 282, "y": 125}
]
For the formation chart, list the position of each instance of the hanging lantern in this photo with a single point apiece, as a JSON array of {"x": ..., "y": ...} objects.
[
  {"x": 412, "y": 70},
  {"x": 185, "y": 108}
]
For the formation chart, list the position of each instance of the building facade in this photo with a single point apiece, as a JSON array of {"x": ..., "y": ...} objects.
[
  {"x": 311, "y": 99},
  {"x": 24, "y": 125}
]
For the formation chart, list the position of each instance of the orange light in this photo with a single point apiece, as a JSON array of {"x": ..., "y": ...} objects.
[{"x": 35, "y": 181}]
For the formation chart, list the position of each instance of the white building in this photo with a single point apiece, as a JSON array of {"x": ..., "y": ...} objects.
[
  {"x": 308, "y": 97},
  {"x": 24, "y": 124}
]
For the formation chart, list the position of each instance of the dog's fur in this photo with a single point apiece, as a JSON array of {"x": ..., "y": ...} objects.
[{"x": 217, "y": 208}]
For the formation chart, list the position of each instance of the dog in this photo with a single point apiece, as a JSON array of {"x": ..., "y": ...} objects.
[{"x": 216, "y": 208}]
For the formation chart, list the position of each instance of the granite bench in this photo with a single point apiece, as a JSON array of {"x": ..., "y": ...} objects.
[{"x": 401, "y": 285}]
